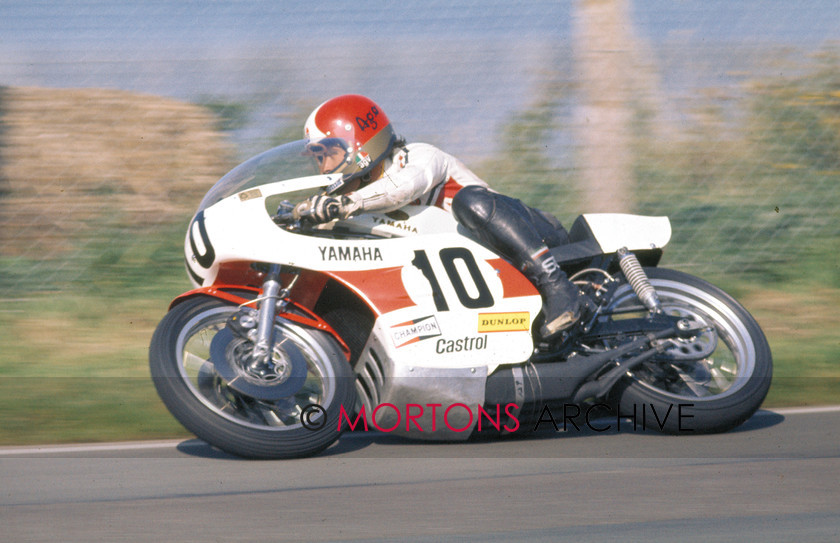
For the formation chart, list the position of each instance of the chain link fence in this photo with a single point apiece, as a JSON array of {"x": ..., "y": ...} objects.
[{"x": 116, "y": 116}]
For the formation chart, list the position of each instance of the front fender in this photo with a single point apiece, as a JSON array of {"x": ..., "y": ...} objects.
[
  {"x": 239, "y": 295},
  {"x": 222, "y": 292}
]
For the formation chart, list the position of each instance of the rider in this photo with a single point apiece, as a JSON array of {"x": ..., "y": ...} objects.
[{"x": 351, "y": 135}]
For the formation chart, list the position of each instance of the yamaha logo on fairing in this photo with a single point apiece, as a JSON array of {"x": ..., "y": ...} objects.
[
  {"x": 350, "y": 254},
  {"x": 379, "y": 221}
]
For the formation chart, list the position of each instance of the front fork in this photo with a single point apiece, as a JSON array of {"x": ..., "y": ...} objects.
[{"x": 272, "y": 301}]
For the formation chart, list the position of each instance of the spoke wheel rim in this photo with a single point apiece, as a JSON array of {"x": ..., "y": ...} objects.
[
  {"x": 721, "y": 374},
  {"x": 198, "y": 373}
]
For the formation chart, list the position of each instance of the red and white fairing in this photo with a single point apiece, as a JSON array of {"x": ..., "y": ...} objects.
[{"x": 423, "y": 270}]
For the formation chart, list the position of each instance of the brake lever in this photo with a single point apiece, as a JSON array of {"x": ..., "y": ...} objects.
[{"x": 285, "y": 215}]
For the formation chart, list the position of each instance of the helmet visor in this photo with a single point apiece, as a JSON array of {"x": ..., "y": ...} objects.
[{"x": 331, "y": 154}]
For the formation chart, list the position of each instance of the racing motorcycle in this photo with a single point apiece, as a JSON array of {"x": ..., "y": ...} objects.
[{"x": 401, "y": 322}]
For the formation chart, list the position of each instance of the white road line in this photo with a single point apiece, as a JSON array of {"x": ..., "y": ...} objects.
[
  {"x": 173, "y": 443},
  {"x": 805, "y": 410},
  {"x": 94, "y": 447}
]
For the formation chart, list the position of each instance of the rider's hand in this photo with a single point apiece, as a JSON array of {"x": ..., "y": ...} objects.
[{"x": 320, "y": 209}]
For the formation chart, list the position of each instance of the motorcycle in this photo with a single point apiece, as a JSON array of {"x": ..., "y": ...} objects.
[{"x": 403, "y": 323}]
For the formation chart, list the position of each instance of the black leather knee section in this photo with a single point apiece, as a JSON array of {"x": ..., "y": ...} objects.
[
  {"x": 473, "y": 206},
  {"x": 498, "y": 221}
]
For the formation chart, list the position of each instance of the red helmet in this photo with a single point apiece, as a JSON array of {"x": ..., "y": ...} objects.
[{"x": 349, "y": 134}]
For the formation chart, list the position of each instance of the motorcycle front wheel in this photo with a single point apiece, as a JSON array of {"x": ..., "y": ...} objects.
[
  {"x": 301, "y": 424},
  {"x": 711, "y": 382}
]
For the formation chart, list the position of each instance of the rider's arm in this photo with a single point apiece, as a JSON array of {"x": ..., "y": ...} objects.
[{"x": 402, "y": 183}]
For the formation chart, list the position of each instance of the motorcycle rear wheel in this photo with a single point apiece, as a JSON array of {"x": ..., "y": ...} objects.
[
  {"x": 302, "y": 424},
  {"x": 704, "y": 394}
]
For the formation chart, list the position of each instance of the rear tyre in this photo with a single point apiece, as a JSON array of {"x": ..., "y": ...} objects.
[
  {"x": 712, "y": 382},
  {"x": 301, "y": 424}
]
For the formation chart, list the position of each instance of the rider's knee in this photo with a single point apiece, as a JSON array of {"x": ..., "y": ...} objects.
[{"x": 473, "y": 206}]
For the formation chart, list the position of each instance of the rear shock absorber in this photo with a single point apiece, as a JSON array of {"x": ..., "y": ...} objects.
[{"x": 638, "y": 279}]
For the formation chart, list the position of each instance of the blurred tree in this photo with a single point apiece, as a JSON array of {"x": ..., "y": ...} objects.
[{"x": 612, "y": 82}]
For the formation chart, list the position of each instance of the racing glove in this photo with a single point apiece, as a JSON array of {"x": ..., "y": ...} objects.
[{"x": 319, "y": 209}]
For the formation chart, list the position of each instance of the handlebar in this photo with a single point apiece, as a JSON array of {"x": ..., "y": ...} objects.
[
  {"x": 287, "y": 216},
  {"x": 284, "y": 218}
]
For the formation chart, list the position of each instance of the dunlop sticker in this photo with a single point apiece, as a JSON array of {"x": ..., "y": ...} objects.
[{"x": 504, "y": 322}]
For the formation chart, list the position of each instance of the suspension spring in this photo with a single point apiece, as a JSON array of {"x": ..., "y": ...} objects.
[{"x": 638, "y": 279}]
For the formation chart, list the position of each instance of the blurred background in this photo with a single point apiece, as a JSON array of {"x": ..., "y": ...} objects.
[{"x": 116, "y": 116}]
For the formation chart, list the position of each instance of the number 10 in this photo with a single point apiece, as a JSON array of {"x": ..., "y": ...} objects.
[{"x": 448, "y": 257}]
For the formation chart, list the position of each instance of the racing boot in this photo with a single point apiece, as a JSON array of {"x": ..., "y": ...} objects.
[{"x": 561, "y": 298}]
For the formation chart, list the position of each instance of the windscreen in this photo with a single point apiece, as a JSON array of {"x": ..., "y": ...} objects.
[{"x": 284, "y": 162}]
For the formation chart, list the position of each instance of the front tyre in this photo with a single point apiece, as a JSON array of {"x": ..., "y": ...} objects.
[
  {"x": 712, "y": 382},
  {"x": 301, "y": 424}
]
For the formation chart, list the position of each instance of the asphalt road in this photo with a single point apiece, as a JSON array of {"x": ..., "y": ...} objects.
[{"x": 777, "y": 478}]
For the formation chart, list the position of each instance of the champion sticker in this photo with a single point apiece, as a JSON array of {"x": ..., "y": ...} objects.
[{"x": 415, "y": 330}]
